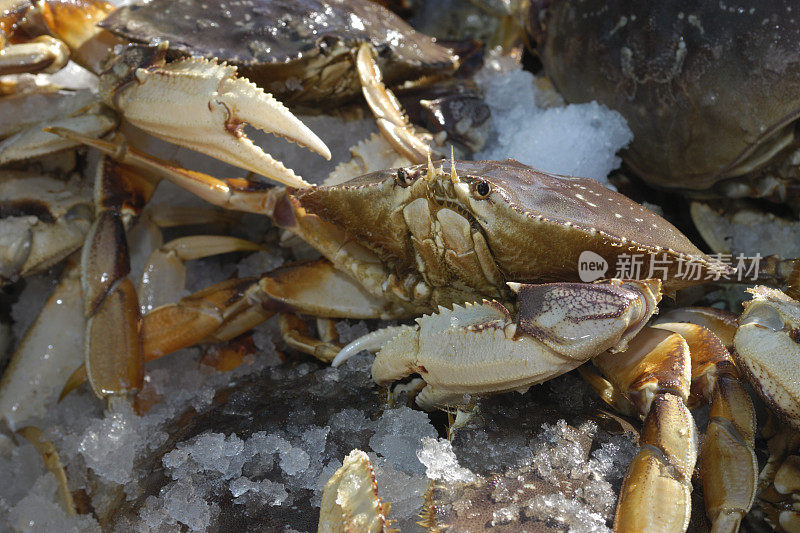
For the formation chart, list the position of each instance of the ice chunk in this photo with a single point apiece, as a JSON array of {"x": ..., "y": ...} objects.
[
  {"x": 349, "y": 420},
  {"x": 202, "y": 273},
  {"x": 566, "y": 512},
  {"x": 350, "y": 332},
  {"x": 612, "y": 458},
  {"x": 294, "y": 460},
  {"x": 330, "y": 468},
  {"x": 505, "y": 515},
  {"x": 20, "y": 469},
  {"x": 559, "y": 454},
  {"x": 404, "y": 491},
  {"x": 154, "y": 515},
  {"x": 576, "y": 140},
  {"x": 441, "y": 462},
  {"x": 110, "y": 444},
  {"x": 209, "y": 452},
  {"x": 184, "y": 504},
  {"x": 397, "y": 437},
  {"x": 258, "y": 263},
  {"x": 245, "y": 491},
  {"x": 39, "y": 512}
]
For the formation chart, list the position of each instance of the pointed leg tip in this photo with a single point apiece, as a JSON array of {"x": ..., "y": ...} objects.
[{"x": 341, "y": 357}]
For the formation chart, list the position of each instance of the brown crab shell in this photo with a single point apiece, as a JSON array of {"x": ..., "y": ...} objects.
[
  {"x": 711, "y": 90},
  {"x": 536, "y": 224},
  {"x": 300, "y": 51}
]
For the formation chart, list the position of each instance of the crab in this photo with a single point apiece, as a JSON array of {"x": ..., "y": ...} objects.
[
  {"x": 770, "y": 322},
  {"x": 709, "y": 89},
  {"x": 402, "y": 242},
  {"x": 315, "y": 42},
  {"x": 22, "y": 52},
  {"x": 301, "y": 52},
  {"x": 221, "y": 104},
  {"x": 147, "y": 84},
  {"x": 422, "y": 239}
]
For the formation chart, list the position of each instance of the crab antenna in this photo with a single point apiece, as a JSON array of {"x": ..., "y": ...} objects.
[{"x": 453, "y": 176}]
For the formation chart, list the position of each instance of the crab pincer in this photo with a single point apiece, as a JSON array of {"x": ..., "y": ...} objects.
[
  {"x": 480, "y": 348},
  {"x": 203, "y": 105}
]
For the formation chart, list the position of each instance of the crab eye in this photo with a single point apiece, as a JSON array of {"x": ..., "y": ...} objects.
[
  {"x": 403, "y": 178},
  {"x": 481, "y": 189}
]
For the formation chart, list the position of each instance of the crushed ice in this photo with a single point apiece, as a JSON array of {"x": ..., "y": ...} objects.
[
  {"x": 441, "y": 463},
  {"x": 575, "y": 140}
]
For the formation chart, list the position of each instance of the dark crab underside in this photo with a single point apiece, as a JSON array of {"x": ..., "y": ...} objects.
[
  {"x": 709, "y": 89},
  {"x": 298, "y": 50}
]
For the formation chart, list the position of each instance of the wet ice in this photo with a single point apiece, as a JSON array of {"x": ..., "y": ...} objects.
[{"x": 576, "y": 140}]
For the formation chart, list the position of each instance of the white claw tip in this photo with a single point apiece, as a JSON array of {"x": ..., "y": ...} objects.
[
  {"x": 344, "y": 354},
  {"x": 514, "y": 286},
  {"x": 371, "y": 342}
]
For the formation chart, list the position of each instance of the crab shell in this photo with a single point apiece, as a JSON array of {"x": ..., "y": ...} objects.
[
  {"x": 711, "y": 90},
  {"x": 300, "y": 51},
  {"x": 532, "y": 225}
]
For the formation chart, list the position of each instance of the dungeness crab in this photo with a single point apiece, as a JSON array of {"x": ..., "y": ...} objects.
[
  {"x": 196, "y": 102},
  {"x": 709, "y": 89},
  {"x": 462, "y": 242},
  {"x": 174, "y": 86},
  {"x": 421, "y": 239}
]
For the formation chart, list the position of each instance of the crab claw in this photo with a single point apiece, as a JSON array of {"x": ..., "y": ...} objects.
[
  {"x": 203, "y": 105},
  {"x": 480, "y": 349},
  {"x": 350, "y": 499},
  {"x": 767, "y": 350}
]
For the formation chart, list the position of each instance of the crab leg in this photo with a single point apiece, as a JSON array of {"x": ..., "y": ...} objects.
[
  {"x": 230, "y": 308},
  {"x": 43, "y": 54},
  {"x": 653, "y": 375},
  {"x": 34, "y": 142},
  {"x": 392, "y": 122},
  {"x": 779, "y": 482},
  {"x": 237, "y": 194},
  {"x": 197, "y": 317},
  {"x": 27, "y": 386},
  {"x": 331, "y": 241},
  {"x": 75, "y": 23},
  {"x": 53, "y": 463},
  {"x": 722, "y": 323},
  {"x": 45, "y": 220},
  {"x": 767, "y": 353},
  {"x": 21, "y": 130},
  {"x": 729, "y": 468},
  {"x": 295, "y": 289},
  {"x": 767, "y": 350},
  {"x": 164, "y": 276},
  {"x": 294, "y": 331},
  {"x": 17, "y": 55},
  {"x": 350, "y": 500},
  {"x": 114, "y": 363}
]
